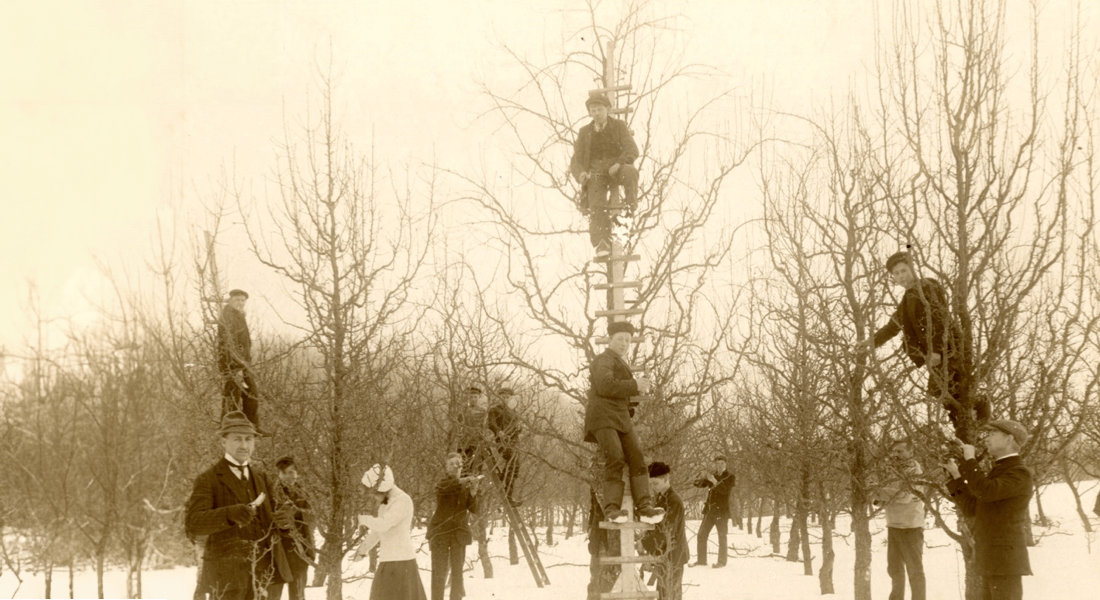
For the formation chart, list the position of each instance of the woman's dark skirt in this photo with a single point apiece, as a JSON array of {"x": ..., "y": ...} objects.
[{"x": 398, "y": 580}]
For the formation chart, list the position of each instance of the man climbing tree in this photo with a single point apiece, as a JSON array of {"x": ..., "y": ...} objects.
[
  {"x": 603, "y": 155},
  {"x": 607, "y": 423},
  {"x": 931, "y": 336},
  {"x": 239, "y": 391}
]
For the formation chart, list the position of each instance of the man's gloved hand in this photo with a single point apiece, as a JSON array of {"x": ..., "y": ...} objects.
[
  {"x": 240, "y": 514},
  {"x": 284, "y": 516}
]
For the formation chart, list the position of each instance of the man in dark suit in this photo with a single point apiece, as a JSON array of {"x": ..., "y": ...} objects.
[
  {"x": 997, "y": 502},
  {"x": 239, "y": 390},
  {"x": 231, "y": 505},
  {"x": 298, "y": 544},
  {"x": 603, "y": 155},
  {"x": 716, "y": 511},
  {"x": 607, "y": 423},
  {"x": 505, "y": 428},
  {"x": 449, "y": 530},
  {"x": 669, "y": 539}
]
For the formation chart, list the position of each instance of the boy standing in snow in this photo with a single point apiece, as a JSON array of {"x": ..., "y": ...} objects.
[{"x": 904, "y": 524}]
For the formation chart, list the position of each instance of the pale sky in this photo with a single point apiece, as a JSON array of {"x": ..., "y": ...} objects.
[{"x": 113, "y": 110}]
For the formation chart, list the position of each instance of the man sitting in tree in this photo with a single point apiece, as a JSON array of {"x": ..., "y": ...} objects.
[
  {"x": 607, "y": 423},
  {"x": 603, "y": 155},
  {"x": 931, "y": 337}
]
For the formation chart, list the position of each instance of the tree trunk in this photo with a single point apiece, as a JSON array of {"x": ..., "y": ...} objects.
[
  {"x": 794, "y": 540},
  {"x": 774, "y": 534},
  {"x": 825, "y": 575},
  {"x": 49, "y": 579},
  {"x": 1076, "y": 497},
  {"x": 100, "y": 559},
  {"x": 1039, "y": 506},
  {"x": 483, "y": 549},
  {"x": 513, "y": 550},
  {"x": 72, "y": 579},
  {"x": 760, "y": 519},
  {"x": 550, "y": 526},
  {"x": 572, "y": 519}
]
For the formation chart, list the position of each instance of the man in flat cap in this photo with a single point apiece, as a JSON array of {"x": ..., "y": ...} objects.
[
  {"x": 239, "y": 391},
  {"x": 932, "y": 338},
  {"x": 716, "y": 511},
  {"x": 607, "y": 423},
  {"x": 669, "y": 539},
  {"x": 231, "y": 505},
  {"x": 603, "y": 155},
  {"x": 505, "y": 428},
  {"x": 998, "y": 504},
  {"x": 471, "y": 430}
]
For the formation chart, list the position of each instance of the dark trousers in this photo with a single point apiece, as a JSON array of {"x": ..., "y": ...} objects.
[
  {"x": 670, "y": 582},
  {"x": 1002, "y": 587},
  {"x": 219, "y": 593},
  {"x": 448, "y": 555},
  {"x": 601, "y": 214},
  {"x": 905, "y": 553},
  {"x": 622, "y": 450},
  {"x": 711, "y": 519},
  {"x": 509, "y": 471},
  {"x": 296, "y": 589},
  {"x": 235, "y": 397}
]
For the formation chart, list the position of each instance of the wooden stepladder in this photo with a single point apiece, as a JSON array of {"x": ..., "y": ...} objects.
[{"x": 523, "y": 535}]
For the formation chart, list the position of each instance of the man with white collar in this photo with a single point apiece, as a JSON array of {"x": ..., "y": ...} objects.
[
  {"x": 998, "y": 503},
  {"x": 603, "y": 155},
  {"x": 231, "y": 505}
]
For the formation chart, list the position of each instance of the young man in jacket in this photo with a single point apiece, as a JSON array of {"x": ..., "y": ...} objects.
[
  {"x": 298, "y": 543},
  {"x": 607, "y": 423},
  {"x": 603, "y": 155},
  {"x": 931, "y": 339},
  {"x": 998, "y": 503},
  {"x": 231, "y": 505},
  {"x": 904, "y": 524},
  {"x": 669, "y": 539},
  {"x": 449, "y": 530},
  {"x": 716, "y": 511},
  {"x": 239, "y": 390}
]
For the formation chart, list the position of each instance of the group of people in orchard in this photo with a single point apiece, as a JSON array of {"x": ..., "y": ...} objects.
[{"x": 256, "y": 532}]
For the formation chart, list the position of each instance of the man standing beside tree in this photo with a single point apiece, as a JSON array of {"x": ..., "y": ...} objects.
[
  {"x": 904, "y": 524},
  {"x": 449, "y": 530},
  {"x": 716, "y": 511},
  {"x": 997, "y": 502}
]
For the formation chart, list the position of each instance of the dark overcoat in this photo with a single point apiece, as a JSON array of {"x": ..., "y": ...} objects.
[
  {"x": 299, "y": 545},
  {"x": 453, "y": 502},
  {"x": 227, "y": 562},
  {"x": 611, "y": 386},
  {"x": 718, "y": 498},
  {"x": 923, "y": 316},
  {"x": 670, "y": 535},
  {"x": 234, "y": 341},
  {"x": 622, "y": 142},
  {"x": 998, "y": 504}
]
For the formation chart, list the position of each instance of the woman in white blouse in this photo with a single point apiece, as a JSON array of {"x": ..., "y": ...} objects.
[{"x": 398, "y": 577}]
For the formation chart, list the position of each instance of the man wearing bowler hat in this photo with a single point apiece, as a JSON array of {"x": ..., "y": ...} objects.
[
  {"x": 603, "y": 155},
  {"x": 607, "y": 423},
  {"x": 997, "y": 502},
  {"x": 231, "y": 505}
]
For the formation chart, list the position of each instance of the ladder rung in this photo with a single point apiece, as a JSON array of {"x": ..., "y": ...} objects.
[
  {"x": 622, "y": 312},
  {"x": 614, "y": 88},
  {"x": 624, "y": 560},
  {"x": 628, "y": 595},
  {"x": 619, "y": 285},
  {"x": 618, "y": 258},
  {"x": 628, "y": 525}
]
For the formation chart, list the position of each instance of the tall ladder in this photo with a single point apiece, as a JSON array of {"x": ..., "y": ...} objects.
[
  {"x": 629, "y": 584},
  {"x": 523, "y": 535}
]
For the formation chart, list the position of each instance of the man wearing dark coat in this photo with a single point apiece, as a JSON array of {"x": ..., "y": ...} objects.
[
  {"x": 603, "y": 155},
  {"x": 298, "y": 543},
  {"x": 931, "y": 338},
  {"x": 449, "y": 530},
  {"x": 505, "y": 428},
  {"x": 716, "y": 511},
  {"x": 669, "y": 539},
  {"x": 239, "y": 391},
  {"x": 231, "y": 505},
  {"x": 998, "y": 504},
  {"x": 607, "y": 423}
]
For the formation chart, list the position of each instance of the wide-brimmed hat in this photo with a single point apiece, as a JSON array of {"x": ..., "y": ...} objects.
[
  {"x": 1012, "y": 428},
  {"x": 370, "y": 479},
  {"x": 236, "y": 422}
]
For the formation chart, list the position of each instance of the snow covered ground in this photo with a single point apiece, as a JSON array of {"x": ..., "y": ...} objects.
[{"x": 1066, "y": 564}]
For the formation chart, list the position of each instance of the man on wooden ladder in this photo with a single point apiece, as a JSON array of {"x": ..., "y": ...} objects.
[
  {"x": 603, "y": 155},
  {"x": 607, "y": 423}
]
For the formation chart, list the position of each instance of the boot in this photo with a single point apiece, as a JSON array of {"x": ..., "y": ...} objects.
[
  {"x": 644, "y": 509},
  {"x": 614, "y": 514}
]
